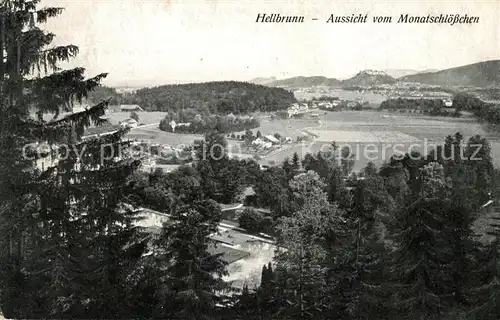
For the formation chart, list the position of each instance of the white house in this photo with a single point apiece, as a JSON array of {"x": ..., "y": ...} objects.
[
  {"x": 129, "y": 123},
  {"x": 303, "y": 107},
  {"x": 258, "y": 142},
  {"x": 130, "y": 107},
  {"x": 272, "y": 139},
  {"x": 292, "y": 111}
]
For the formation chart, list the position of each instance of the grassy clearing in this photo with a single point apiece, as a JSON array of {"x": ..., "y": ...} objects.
[
  {"x": 362, "y": 136},
  {"x": 229, "y": 254},
  {"x": 145, "y": 117},
  {"x": 154, "y": 135}
]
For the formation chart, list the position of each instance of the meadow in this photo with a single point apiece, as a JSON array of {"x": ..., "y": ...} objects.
[
  {"x": 153, "y": 134},
  {"x": 145, "y": 117},
  {"x": 372, "y": 98},
  {"x": 384, "y": 131},
  {"x": 358, "y": 129}
]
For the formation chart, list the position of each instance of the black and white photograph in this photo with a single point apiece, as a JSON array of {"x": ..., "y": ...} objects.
[{"x": 252, "y": 159}]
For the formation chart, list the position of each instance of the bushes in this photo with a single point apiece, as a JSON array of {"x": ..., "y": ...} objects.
[
  {"x": 204, "y": 124},
  {"x": 254, "y": 221}
]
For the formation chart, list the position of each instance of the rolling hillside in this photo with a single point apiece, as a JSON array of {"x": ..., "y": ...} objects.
[
  {"x": 215, "y": 97},
  {"x": 398, "y": 73},
  {"x": 363, "y": 78},
  {"x": 480, "y": 74},
  {"x": 368, "y": 78}
]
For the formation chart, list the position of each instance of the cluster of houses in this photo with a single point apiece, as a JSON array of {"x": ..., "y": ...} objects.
[
  {"x": 328, "y": 104},
  {"x": 268, "y": 141},
  {"x": 297, "y": 108}
]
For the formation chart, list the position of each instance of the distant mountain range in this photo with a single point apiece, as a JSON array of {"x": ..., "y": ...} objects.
[
  {"x": 305, "y": 82},
  {"x": 398, "y": 73},
  {"x": 369, "y": 78},
  {"x": 363, "y": 78},
  {"x": 480, "y": 74}
]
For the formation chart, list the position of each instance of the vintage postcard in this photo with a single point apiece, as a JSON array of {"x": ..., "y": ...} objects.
[{"x": 215, "y": 159}]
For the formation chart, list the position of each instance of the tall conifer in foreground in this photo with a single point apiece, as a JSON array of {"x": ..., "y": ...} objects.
[{"x": 66, "y": 242}]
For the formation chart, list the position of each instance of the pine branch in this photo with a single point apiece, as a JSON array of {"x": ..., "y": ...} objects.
[
  {"x": 43, "y": 14},
  {"x": 56, "y": 129},
  {"x": 50, "y": 57},
  {"x": 60, "y": 90}
]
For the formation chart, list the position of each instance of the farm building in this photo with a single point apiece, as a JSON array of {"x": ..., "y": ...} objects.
[
  {"x": 258, "y": 141},
  {"x": 130, "y": 107},
  {"x": 448, "y": 103},
  {"x": 272, "y": 139}
]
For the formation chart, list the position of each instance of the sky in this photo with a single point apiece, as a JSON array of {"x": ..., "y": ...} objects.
[{"x": 155, "y": 42}]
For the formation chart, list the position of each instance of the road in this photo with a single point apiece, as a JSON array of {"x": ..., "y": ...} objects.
[{"x": 114, "y": 131}]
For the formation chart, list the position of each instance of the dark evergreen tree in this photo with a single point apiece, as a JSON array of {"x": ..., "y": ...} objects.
[
  {"x": 295, "y": 161},
  {"x": 68, "y": 242},
  {"x": 190, "y": 285},
  {"x": 288, "y": 168},
  {"x": 222, "y": 178}
]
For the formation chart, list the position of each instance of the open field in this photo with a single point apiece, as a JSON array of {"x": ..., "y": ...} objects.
[
  {"x": 154, "y": 135},
  {"x": 372, "y": 98},
  {"x": 355, "y": 128},
  {"x": 341, "y": 136},
  {"x": 145, "y": 117},
  {"x": 388, "y": 130},
  {"x": 285, "y": 127}
]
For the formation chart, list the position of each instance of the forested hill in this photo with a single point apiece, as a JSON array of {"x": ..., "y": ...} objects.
[
  {"x": 306, "y": 82},
  {"x": 480, "y": 74},
  {"x": 216, "y": 97}
]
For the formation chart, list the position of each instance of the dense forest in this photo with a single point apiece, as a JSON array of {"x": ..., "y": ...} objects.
[
  {"x": 488, "y": 112},
  {"x": 396, "y": 242},
  {"x": 215, "y": 97},
  {"x": 431, "y": 106}
]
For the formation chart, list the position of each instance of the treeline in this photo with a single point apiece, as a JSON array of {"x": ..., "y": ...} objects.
[
  {"x": 101, "y": 93},
  {"x": 396, "y": 244},
  {"x": 390, "y": 243},
  {"x": 430, "y": 106},
  {"x": 489, "y": 93},
  {"x": 488, "y": 112},
  {"x": 193, "y": 122},
  {"x": 214, "y": 97},
  {"x": 325, "y": 98}
]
